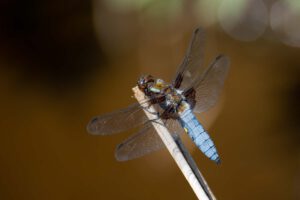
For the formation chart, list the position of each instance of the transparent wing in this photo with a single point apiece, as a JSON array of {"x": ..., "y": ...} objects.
[
  {"x": 145, "y": 141},
  {"x": 191, "y": 66},
  {"x": 210, "y": 84},
  {"x": 117, "y": 121}
]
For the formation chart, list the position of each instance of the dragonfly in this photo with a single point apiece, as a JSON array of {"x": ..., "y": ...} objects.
[{"x": 194, "y": 89}]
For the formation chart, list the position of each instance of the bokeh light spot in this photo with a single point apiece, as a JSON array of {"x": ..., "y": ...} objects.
[
  {"x": 243, "y": 19},
  {"x": 284, "y": 20}
]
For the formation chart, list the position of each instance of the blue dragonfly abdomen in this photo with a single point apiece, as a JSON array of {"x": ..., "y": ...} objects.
[{"x": 199, "y": 136}]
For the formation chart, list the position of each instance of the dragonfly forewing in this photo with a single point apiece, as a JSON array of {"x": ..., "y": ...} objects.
[
  {"x": 117, "y": 121},
  {"x": 192, "y": 64}
]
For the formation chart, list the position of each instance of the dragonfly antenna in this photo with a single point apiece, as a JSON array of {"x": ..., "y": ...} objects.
[{"x": 178, "y": 151}]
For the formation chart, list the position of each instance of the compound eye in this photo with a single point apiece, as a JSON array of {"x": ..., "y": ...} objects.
[{"x": 141, "y": 81}]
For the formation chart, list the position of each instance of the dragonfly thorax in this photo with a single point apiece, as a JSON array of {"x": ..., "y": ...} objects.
[
  {"x": 173, "y": 97},
  {"x": 161, "y": 92}
]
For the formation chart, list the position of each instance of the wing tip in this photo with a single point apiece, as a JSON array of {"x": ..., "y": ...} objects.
[
  {"x": 118, "y": 156},
  {"x": 222, "y": 61},
  {"x": 199, "y": 34},
  {"x": 222, "y": 56},
  {"x": 198, "y": 29},
  {"x": 91, "y": 128}
]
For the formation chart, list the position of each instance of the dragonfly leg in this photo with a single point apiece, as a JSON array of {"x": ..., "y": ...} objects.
[
  {"x": 155, "y": 121},
  {"x": 146, "y": 108}
]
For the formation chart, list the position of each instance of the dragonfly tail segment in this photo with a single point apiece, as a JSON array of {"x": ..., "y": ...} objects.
[{"x": 200, "y": 137}]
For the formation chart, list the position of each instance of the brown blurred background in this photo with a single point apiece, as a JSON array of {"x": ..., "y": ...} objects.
[{"x": 63, "y": 62}]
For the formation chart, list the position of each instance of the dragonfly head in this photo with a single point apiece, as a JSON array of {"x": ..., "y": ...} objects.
[{"x": 144, "y": 82}]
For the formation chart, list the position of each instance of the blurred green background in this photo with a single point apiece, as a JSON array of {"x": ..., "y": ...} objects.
[{"x": 62, "y": 62}]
